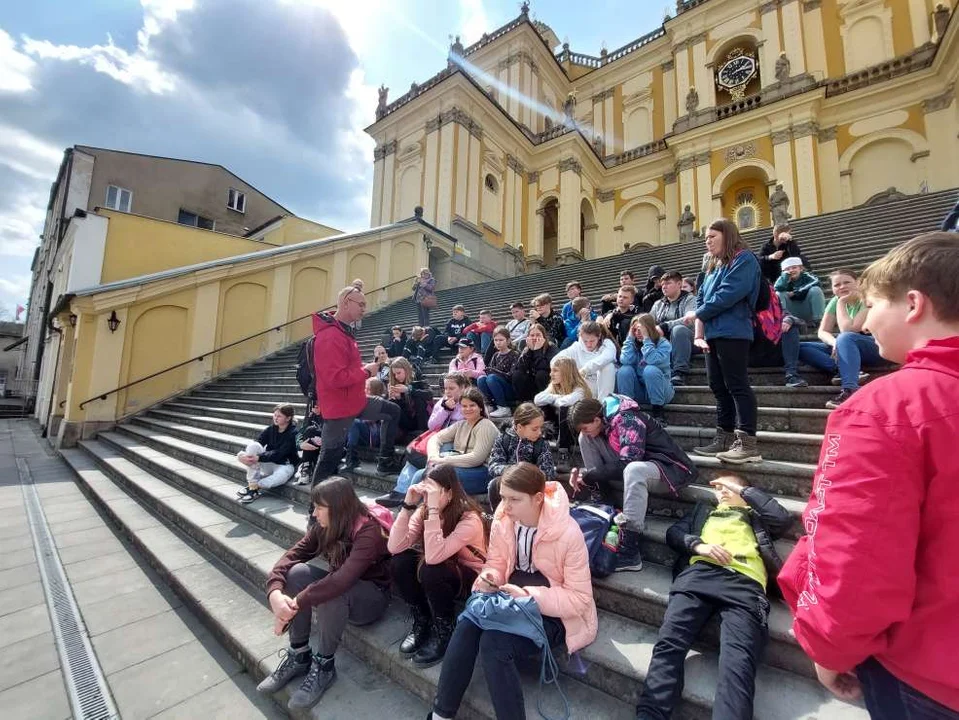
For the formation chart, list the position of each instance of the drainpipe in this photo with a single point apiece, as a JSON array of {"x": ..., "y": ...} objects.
[{"x": 53, "y": 383}]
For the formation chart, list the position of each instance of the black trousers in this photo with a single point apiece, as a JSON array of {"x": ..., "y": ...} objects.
[
  {"x": 432, "y": 587},
  {"x": 698, "y": 592},
  {"x": 889, "y": 698},
  {"x": 727, "y": 367},
  {"x": 501, "y": 655},
  {"x": 559, "y": 416}
]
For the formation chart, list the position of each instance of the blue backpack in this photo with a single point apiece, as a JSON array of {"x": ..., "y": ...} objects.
[{"x": 594, "y": 521}]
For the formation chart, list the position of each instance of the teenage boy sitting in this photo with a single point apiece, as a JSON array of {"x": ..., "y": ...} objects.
[
  {"x": 543, "y": 314},
  {"x": 799, "y": 292},
  {"x": 622, "y": 444},
  {"x": 570, "y": 317},
  {"x": 455, "y": 329},
  {"x": 608, "y": 301},
  {"x": 619, "y": 318},
  {"x": 669, "y": 312},
  {"x": 481, "y": 332},
  {"x": 873, "y": 584},
  {"x": 519, "y": 325},
  {"x": 726, "y": 560},
  {"x": 581, "y": 313},
  {"x": 396, "y": 343}
]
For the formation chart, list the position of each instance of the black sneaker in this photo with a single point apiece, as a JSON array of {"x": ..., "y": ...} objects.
[
  {"x": 317, "y": 681},
  {"x": 249, "y": 497},
  {"x": 659, "y": 415},
  {"x": 794, "y": 381},
  {"x": 837, "y": 381},
  {"x": 350, "y": 462},
  {"x": 242, "y": 491},
  {"x": 678, "y": 379},
  {"x": 293, "y": 664},
  {"x": 839, "y": 399},
  {"x": 392, "y": 500},
  {"x": 562, "y": 461},
  {"x": 388, "y": 465}
]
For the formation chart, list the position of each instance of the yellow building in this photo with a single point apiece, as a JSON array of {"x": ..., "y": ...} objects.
[{"x": 531, "y": 148}]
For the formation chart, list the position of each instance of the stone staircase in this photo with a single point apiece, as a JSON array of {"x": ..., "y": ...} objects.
[{"x": 177, "y": 460}]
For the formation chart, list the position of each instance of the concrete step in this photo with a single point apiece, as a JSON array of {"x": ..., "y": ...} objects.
[
  {"x": 229, "y": 535},
  {"x": 772, "y": 419},
  {"x": 780, "y": 397}
]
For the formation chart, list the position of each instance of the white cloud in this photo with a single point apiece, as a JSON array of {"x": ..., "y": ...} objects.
[
  {"x": 27, "y": 154},
  {"x": 17, "y": 286},
  {"x": 473, "y": 21},
  {"x": 15, "y": 67}
]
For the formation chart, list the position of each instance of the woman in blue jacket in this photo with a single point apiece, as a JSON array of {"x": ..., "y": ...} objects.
[
  {"x": 724, "y": 331},
  {"x": 644, "y": 371}
]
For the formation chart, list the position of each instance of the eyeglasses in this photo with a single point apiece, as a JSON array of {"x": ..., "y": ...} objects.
[{"x": 361, "y": 304}]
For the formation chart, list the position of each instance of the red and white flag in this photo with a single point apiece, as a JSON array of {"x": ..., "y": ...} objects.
[{"x": 20, "y": 310}]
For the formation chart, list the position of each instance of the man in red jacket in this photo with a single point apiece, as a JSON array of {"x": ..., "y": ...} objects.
[
  {"x": 341, "y": 386},
  {"x": 874, "y": 585}
]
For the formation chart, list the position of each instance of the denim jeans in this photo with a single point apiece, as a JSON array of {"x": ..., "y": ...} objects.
[
  {"x": 681, "y": 338},
  {"x": 473, "y": 479},
  {"x": 888, "y": 698},
  {"x": 646, "y": 386},
  {"x": 481, "y": 341},
  {"x": 789, "y": 344},
  {"x": 810, "y": 309},
  {"x": 497, "y": 390},
  {"x": 853, "y": 350}
]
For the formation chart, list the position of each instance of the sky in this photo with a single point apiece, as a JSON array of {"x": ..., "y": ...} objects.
[{"x": 278, "y": 91}]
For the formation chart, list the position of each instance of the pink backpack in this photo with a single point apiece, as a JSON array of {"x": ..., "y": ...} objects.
[
  {"x": 769, "y": 320},
  {"x": 379, "y": 513}
]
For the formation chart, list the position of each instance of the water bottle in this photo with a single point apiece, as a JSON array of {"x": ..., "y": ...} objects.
[{"x": 612, "y": 537}]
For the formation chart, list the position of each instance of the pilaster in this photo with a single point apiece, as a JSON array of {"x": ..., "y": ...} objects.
[
  {"x": 919, "y": 20},
  {"x": 377, "y": 204},
  {"x": 806, "y": 172},
  {"x": 206, "y": 309},
  {"x": 389, "y": 179},
  {"x": 831, "y": 191},
  {"x": 430, "y": 172},
  {"x": 669, "y": 93},
  {"x": 771, "y": 47},
  {"x": 672, "y": 208},
  {"x": 570, "y": 187},
  {"x": 815, "y": 41},
  {"x": 793, "y": 36},
  {"x": 475, "y": 180},
  {"x": 461, "y": 170},
  {"x": 783, "y": 160},
  {"x": 703, "y": 76},
  {"x": 605, "y": 216},
  {"x": 444, "y": 196},
  {"x": 941, "y": 121},
  {"x": 704, "y": 189}
]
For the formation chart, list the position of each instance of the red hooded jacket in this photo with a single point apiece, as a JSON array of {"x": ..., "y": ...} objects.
[
  {"x": 340, "y": 377},
  {"x": 876, "y": 574}
]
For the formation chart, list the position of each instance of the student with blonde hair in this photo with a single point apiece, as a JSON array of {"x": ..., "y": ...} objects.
[{"x": 566, "y": 388}]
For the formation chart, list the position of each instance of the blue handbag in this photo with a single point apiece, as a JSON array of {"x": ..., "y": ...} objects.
[{"x": 517, "y": 616}]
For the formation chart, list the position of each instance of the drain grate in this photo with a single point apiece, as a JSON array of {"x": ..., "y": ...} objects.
[{"x": 86, "y": 687}]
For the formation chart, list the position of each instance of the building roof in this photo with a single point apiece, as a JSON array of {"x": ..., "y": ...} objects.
[{"x": 11, "y": 329}]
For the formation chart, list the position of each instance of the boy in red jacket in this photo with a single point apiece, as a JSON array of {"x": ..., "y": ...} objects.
[{"x": 873, "y": 585}]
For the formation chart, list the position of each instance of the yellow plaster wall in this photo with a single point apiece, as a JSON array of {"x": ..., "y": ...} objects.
[
  {"x": 659, "y": 100},
  {"x": 139, "y": 246},
  {"x": 312, "y": 291},
  {"x": 295, "y": 229},
  {"x": 244, "y": 303},
  {"x": 901, "y": 26},
  {"x": 835, "y": 61}
]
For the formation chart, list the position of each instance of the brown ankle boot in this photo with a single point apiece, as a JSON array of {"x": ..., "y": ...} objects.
[
  {"x": 720, "y": 443},
  {"x": 744, "y": 450}
]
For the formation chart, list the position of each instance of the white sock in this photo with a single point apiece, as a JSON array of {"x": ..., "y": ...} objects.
[{"x": 435, "y": 716}]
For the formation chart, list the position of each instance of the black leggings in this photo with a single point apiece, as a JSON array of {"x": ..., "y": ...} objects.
[
  {"x": 559, "y": 416},
  {"x": 436, "y": 587},
  {"x": 727, "y": 367}
]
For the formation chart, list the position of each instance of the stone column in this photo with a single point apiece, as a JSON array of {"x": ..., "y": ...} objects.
[
  {"x": 377, "y": 205},
  {"x": 672, "y": 208},
  {"x": 431, "y": 170},
  {"x": 770, "y": 46},
  {"x": 444, "y": 196},
  {"x": 831, "y": 192},
  {"x": 783, "y": 160},
  {"x": 807, "y": 196},
  {"x": 940, "y": 116},
  {"x": 669, "y": 93},
  {"x": 605, "y": 217},
  {"x": 570, "y": 187},
  {"x": 703, "y": 76},
  {"x": 793, "y": 37}
]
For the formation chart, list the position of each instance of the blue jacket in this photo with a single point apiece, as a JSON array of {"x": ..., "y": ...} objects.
[
  {"x": 651, "y": 353},
  {"x": 799, "y": 287},
  {"x": 727, "y": 297},
  {"x": 571, "y": 320}
]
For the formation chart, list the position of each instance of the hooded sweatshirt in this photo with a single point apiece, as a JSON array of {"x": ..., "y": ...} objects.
[
  {"x": 559, "y": 552},
  {"x": 340, "y": 377},
  {"x": 875, "y": 574},
  {"x": 597, "y": 366}
]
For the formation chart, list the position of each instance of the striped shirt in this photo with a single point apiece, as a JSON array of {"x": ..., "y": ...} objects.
[{"x": 525, "y": 536}]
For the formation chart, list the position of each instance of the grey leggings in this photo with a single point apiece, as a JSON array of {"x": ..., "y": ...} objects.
[{"x": 362, "y": 604}]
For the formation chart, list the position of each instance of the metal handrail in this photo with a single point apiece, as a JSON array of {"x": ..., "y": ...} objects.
[{"x": 199, "y": 358}]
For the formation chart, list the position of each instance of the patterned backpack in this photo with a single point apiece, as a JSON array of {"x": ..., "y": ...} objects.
[{"x": 768, "y": 313}]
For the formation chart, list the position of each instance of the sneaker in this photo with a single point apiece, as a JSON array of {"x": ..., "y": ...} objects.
[
  {"x": 839, "y": 399},
  {"x": 293, "y": 664},
  {"x": 743, "y": 450},
  {"x": 249, "y": 497},
  {"x": 350, "y": 462},
  {"x": 388, "y": 465},
  {"x": 393, "y": 500},
  {"x": 304, "y": 475},
  {"x": 837, "y": 381},
  {"x": 317, "y": 681},
  {"x": 794, "y": 381},
  {"x": 678, "y": 379},
  {"x": 501, "y": 412},
  {"x": 242, "y": 491}
]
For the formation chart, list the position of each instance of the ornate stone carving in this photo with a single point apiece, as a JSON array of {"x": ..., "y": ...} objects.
[
  {"x": 919, "y": 155},
  {"x": 686, "y": 223},
  {"x": 940, "y": 18},
  {"x": 379, "y": 153},
  {"x": 770, "y": 6},
  {"x": 779, "y": 206},
  {"x": 605, "y": 195},
  {"x": 809, "y": 5},
  {"x": 692, "y": 101},
  {"x": 669, "y": 65},
  {"x": 532, "y": 176},
  {"x": 603, "y": 95},
  {"x": 828, "y": 134},
  {"x": 805, "y": 129},
  {"x": 570, "y": 164},
  {"x": 685, "y": 163},
  {"x": 599, "y": 145},
  {"x": 939, "y": 102},
  {"x": 433, "y": 124},
  {"x": 513, "y": 163},
  {"x": 381, "y": 105},
  {"x": 569, "y": 108},
  {"x": 669, "y": 178},
  {"x": 782, "y": 67},
  {"x": 702, "y": 158},
  {"x": 455, "y": 115},
  {"x": 781, "y": 136},
  {"x": 738, "y": 152}
]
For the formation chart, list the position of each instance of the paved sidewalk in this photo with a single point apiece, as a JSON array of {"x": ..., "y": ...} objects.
[{"x": 158, "y": 659}]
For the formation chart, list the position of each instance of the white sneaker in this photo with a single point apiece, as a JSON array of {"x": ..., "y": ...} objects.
[{"x": 501, "y": 412}]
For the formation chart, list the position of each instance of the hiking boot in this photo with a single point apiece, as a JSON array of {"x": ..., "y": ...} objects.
[
  {"x": 839, "y": 399},
  {"x": 250, "y": 496},
  {"x": 678, "y": 379},
  {"x": 388, "y": 465},
  {"x": 420, "y": 631},
  {"x": 743, "y": 450},
  {"x": 794, "y": 381},
  {"x": 628, "y": 558},
  {"x": 392, "y": 500},
  {"x": 435, "y": 648},
  {"x": 304, "y": 474},
  {"x": 720, "y": 443},
  {"x": 837, "y": 381},
  {"x": 321, "y": 675},
  {"x": 294, "y": 663}
]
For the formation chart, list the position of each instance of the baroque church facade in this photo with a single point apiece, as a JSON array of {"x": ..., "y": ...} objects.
[{"x": 757, "y": 110}]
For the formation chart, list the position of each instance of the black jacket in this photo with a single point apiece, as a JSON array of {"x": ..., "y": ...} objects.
[
  {"x": 769, "y": 520},
  {"x": 771, "y": 268},
  {"x": 555, "y": 327},
  {"x": 395, "y": 346},
  {"x": 454, "y": 328},
  {"x": 280, "y": 446},
  {"x": 533, "y": 365}
]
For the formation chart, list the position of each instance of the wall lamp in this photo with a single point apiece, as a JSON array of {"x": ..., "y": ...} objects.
[
  {"x": 73, "y": 320},
  {"x": 113, "y": 322}
]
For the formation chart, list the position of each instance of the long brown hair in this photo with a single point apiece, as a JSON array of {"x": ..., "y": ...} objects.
[
  {"x": 732, "y": 242},
  {"x": 460, "y": 503},
  {"x": 337, "y": 494},
  {"x": 402, "y": 362}
]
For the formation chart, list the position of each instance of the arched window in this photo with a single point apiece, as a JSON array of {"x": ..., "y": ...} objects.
[{"x": 491, "y": 184}]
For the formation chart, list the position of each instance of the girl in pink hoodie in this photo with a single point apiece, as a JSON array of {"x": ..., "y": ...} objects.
[
  {"x": 536, "y": 549},
  {"x": 438, "y": 541}
]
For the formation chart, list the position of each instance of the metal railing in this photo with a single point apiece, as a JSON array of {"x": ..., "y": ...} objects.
[{"x": 200, "y": 358}]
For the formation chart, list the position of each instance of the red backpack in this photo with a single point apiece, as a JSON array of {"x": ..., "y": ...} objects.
[{"x": 768, "y": 313}]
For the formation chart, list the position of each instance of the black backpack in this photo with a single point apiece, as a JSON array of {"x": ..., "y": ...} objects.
[{"x": 306, "y": 371}]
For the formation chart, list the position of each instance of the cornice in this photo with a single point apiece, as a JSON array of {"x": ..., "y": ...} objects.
[
  {"x": 941, "y": 101},
  {"x": 570, "y": 164}
]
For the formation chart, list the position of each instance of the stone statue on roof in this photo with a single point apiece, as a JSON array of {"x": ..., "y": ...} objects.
[
  {"x": 381, "y": 105},
  {"x": 686, "y": 223},
  {"x": 782, "y": 67},
  {"x": 692, "y": 101},
  {"x": 779, "y": 205}
]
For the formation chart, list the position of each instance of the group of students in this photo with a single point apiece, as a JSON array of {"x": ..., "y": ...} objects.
[{"x": 878, "y": 622}]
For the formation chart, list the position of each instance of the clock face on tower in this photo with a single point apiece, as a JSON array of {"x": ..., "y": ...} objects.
[{"x": 736, "y": 71}]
